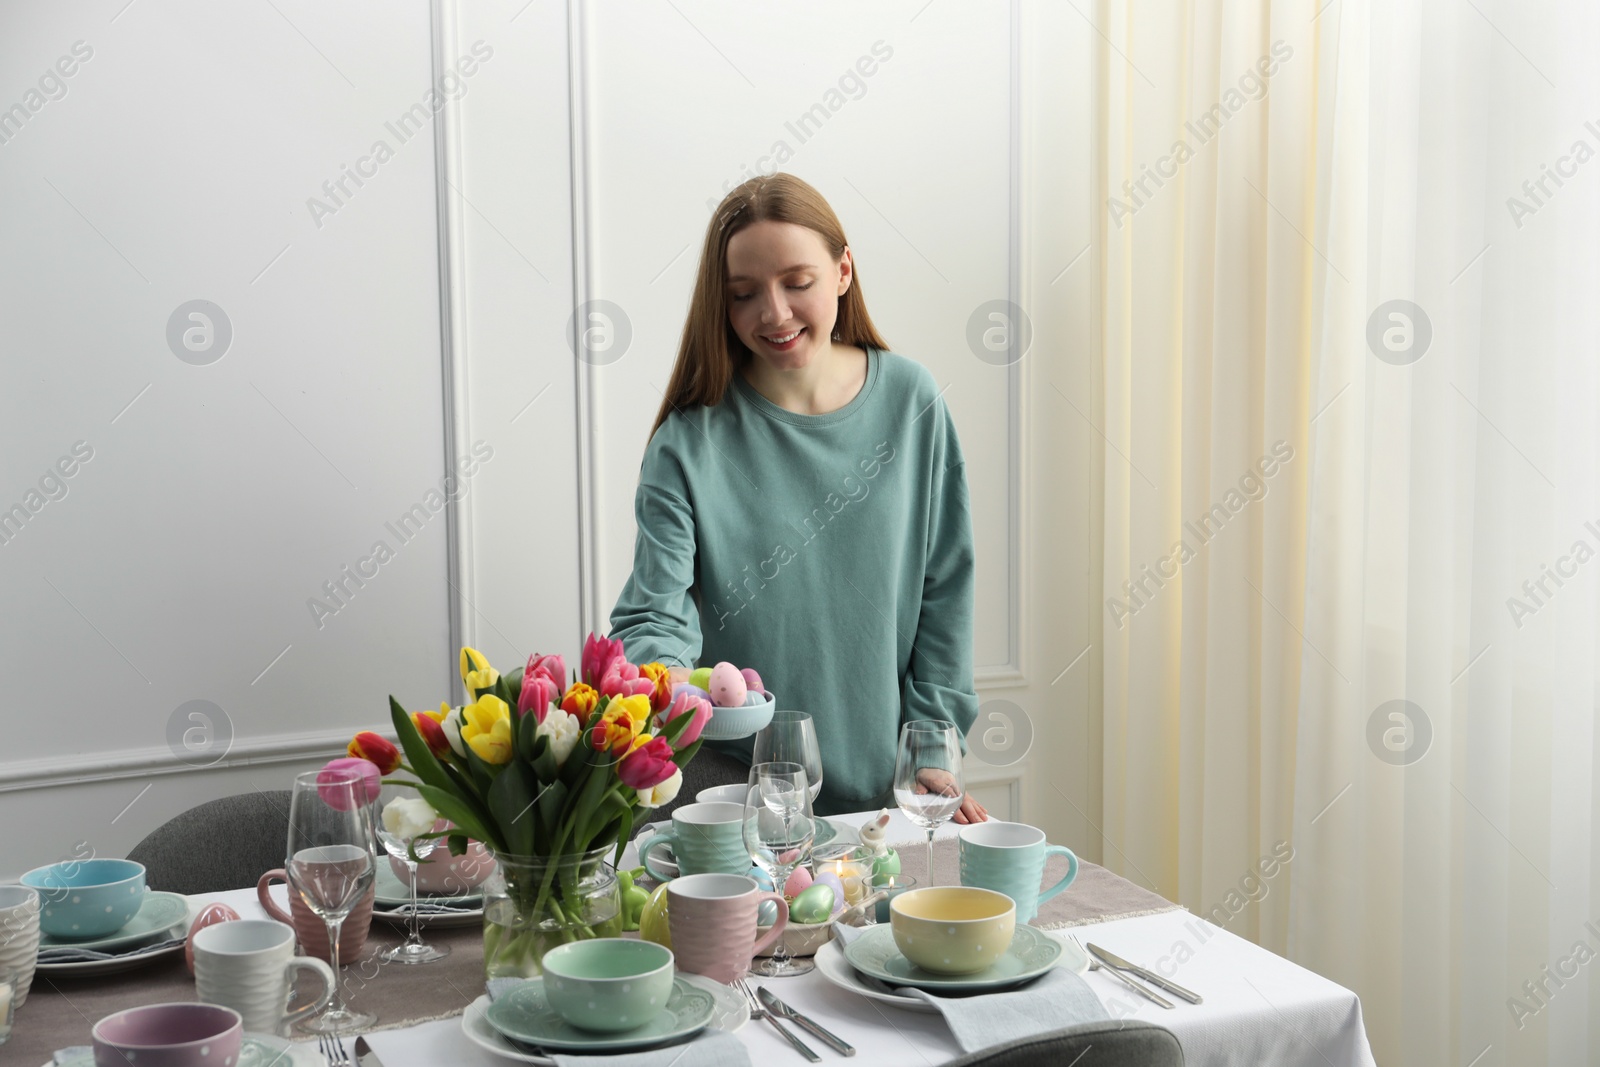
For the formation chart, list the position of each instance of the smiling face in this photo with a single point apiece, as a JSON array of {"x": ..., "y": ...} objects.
[{"x": 782, "y": 281}]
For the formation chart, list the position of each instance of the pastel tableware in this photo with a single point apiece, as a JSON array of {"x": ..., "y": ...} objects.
[
  {"x": 952, "y": 930},
  {"x": 87, "y": 898},
  {"x": 309, "y": 927},
  {"x": 209, "y": 915},
  {"x": 19, "y": 938},
  {"x": 524, "y": 1014},
  {"x": 158, "y": 916},
  {"x": 727, "y": 724},
  {"x": 1030, "y": 953},
  {"x": 608, "y": 984},
  {"x": 705, "y": 839},
  {"x": 1009, "y": 857},
  {"x": 732, "y": 794},
  {"x": 249, "y": 966},
  {"x": 168, "y": 1035},
  {"x": 442, "y": 874},
  {"x": 712, "y": 918}
]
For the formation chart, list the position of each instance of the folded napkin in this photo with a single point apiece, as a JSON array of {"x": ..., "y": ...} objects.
[
  {"x": 68, "y": 954},
  {"x": 710, "y": 1048},
  {"x": 1056, "y": 999},
  {"x": 73, "y": 1054}
]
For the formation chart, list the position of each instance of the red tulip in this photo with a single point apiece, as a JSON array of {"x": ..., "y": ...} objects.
[
  {"x": 686, "y": 703},
  {"x": 580, "y": 701},
  {"x": 598, "y": 652},
  {"x": 657, "y": 673},
  {"x": 431, "y": 732},
  {"x": 378, "y": 750},
  {"x": 648, "y": 765},
  {"x": 538, "y": 693}
]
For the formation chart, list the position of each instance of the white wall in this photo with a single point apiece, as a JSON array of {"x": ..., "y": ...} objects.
[{"x": 577, "y": 165}]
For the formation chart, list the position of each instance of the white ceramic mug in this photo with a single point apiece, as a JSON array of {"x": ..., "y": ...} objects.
[
  {"x": 248, "y": 966},
  {"x": 19, "y": 937}
]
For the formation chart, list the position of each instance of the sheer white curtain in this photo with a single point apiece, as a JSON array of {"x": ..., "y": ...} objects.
[{"x": 1388, "y": 660}]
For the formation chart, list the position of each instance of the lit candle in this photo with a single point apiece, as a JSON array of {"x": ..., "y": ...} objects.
[{"x": 853, "y": 877}]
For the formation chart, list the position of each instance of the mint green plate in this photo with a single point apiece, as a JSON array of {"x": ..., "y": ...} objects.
[
  {"x": 257, "y": 1050},
  {"x": 158, "y": 913},
  {"x": 524, "y": 1015},
  {"x": 875, "y": 955}
]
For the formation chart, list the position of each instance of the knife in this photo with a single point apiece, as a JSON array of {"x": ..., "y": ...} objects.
[
  {"x": 364, "y": 1054},
  {"x": 1113, "y": 960},
  {"x": 778, "y": 1007}
]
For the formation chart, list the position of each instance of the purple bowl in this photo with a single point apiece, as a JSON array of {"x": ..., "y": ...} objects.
[{"x": 169, "y": 1035}]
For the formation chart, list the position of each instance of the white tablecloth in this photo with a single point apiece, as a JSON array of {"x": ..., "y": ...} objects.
[{"x": 1259, "y": 1008}]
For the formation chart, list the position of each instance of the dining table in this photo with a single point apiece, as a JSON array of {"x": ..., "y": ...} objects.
[{"x": 1257, "y": 1007}]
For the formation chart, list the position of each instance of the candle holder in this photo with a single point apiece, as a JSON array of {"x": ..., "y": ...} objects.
[
  {"x": 892, "y": 886},
  {"x": 851, "y": 864},
  {"x": 8, "y": 991}
]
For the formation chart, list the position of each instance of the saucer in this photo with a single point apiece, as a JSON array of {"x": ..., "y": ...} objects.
[
  {"x": 257, "y": 1050},
  {"x": 390, "y": 892},
  {"x": 157, "y": 914},
  {"x": 524, "y": 1015},
  {"x": 1031, "y": 953},
  {"x": 130, "y": 960}
]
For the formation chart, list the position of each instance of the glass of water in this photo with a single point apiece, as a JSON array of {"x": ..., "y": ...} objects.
[{"x": 927, "y": 776}]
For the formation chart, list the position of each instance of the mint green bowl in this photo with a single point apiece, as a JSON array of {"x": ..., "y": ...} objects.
[{"x": 609, "y": 984}]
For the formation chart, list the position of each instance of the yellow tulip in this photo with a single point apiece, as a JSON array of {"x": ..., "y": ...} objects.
[
  {"x": 486, "y": 729},
  {"x": 475, "y": 670},
  {"x": 636, "y": 708}
]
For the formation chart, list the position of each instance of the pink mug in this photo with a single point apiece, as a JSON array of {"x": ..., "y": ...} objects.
[
  {"x": 712, "y": 918},
  {"x": 309, "y": 928}
]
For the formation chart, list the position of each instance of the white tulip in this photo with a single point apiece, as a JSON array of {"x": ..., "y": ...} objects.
[
  {"x": 452, "y": 732},
  {"x": 663, "y": 793},
  {"x": 406, "y": 817},
  {"x": 563, "y": 731}
]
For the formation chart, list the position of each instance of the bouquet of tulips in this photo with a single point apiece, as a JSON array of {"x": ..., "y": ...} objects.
[{"x": 537, "y": 766}]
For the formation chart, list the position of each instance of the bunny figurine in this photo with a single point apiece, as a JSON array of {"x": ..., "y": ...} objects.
[{"x": 885, "y": 860}]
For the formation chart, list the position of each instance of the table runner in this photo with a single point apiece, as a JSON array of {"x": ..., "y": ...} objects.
[{"x": 1096, "y": 895}]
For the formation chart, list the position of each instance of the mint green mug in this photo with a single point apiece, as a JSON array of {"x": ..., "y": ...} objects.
[
  {"x": 705, "y": 838},
  {"x": 1009, "y": 858}
]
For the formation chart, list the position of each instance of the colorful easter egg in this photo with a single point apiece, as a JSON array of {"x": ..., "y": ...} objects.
[
  {"x": 692, "y": 690},
  {"x": 834, "y": 885},
  {"x": 752, "y": 680},
  {"x": 727, "y": 686},
  {"x": 798, "y": 883},
  {"x": 815, "y": 905},
  {"x": 209, "y": 915},
  {"x": 700, "y": 677}
]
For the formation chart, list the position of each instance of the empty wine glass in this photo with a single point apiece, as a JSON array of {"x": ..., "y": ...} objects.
[
  {"x": 331, "y": 865},
  {"x": 927, "y": 776},
  {"x": 791, "y": 737},
  {"x": 778, "y": 830},
  {"x": 402, "y": 817}
]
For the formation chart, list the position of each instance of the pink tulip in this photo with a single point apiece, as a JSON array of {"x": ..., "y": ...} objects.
[
  {"x": 623, "y": 679},
  {"x": 648, "y": 765},
  {"x": 335, "y": 778},
  {"x": 689, "y": 704},
  {"x": 552, "y": 667},
  {"x": 538, "y": 693},
  {"x": 598, "y": 652}
]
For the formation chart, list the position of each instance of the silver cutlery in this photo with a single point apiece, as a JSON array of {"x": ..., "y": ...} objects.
[
  {"x": 1113, "y": 960},
  {"x": 758, "y": 1012},
  {"x": 778, "y": 1007},
  {"x": 1095, "y": 965},
  {"x": 332, "y": 1047},
  {"x": 365, "y": 1057}
]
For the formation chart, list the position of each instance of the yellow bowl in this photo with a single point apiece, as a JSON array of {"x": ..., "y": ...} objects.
[{"x": 953, "y": 929}]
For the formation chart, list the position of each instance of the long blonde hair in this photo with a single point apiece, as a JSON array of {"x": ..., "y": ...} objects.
[{"x": 710, "y": 352}]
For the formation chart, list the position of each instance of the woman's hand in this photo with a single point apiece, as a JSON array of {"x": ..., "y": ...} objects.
[
  {"x": 971, "y": 811},
  {"x": 933, "y": 780}
]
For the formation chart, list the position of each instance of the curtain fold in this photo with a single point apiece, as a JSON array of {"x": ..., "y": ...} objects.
[{"x": 1351, "y": 533}]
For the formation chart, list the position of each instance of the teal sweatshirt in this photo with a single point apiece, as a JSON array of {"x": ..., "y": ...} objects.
[{"x": 832, "y": 553}]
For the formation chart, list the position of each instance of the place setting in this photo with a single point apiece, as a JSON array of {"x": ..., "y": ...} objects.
[{"x": 95, "y": 917}]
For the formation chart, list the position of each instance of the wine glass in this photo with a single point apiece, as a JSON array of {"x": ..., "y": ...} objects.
[
  {"x": 402, "y": 816},
  {"x": 791, "y": 737},
  {"x": 927, "y": 776},
  {"x": 778, "y": 829},
  {"x": 331, "y": 865}
]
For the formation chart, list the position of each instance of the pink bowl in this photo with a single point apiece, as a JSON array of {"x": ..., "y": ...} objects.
[
  {"x": 169, "y": 1035},
  {"x": 444, "y": 873}
]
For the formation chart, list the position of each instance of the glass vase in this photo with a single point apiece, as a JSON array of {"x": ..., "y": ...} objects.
[{"x": 531, "y": 904}]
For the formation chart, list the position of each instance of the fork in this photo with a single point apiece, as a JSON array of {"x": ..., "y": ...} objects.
[
  {"x": 757, "y": 1011},
  {"x": 332, "y": 1047},
  {"x": 1096, "y": 965}
]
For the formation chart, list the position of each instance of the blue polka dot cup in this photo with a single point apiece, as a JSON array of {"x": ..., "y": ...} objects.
[
  {"x": 82, "y": 899},
  {"x": 608, "y": 984}
]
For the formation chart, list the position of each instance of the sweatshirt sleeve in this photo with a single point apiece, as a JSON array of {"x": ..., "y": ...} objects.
[
  {"x": 656, "y": 617},
  {"x": 938, "y": 682}
]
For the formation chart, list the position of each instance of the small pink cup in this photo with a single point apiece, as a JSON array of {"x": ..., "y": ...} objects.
[
  {"x": 712, "y": 918},
  {"x": 169, "y": 1035},
  {"x": 309, "y": 928},
  {"x": 444, "y": 873}
]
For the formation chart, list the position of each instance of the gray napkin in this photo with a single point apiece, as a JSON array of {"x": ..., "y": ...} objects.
[
  {"x": 711, "y": 1048},
  {"x": 68, "y": 954},
  {"x": 1054, "y": 1000},
  {"x": 74, "y": 1054}
]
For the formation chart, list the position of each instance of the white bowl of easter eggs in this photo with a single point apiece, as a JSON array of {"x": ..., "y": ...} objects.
[{"x": 740, "y": 705}]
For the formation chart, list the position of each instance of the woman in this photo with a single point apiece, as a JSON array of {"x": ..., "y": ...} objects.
[{"x": 802, "y": 505}]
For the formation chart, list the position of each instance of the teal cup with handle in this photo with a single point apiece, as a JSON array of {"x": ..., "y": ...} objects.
[
  {"x": 1009, "y": 858},
  {"x": 705, "y": 838}
]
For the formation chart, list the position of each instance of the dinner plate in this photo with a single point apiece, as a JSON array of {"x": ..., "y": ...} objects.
[
  {"x": 836, "y": 970},
  {"x": 131, "y": 960},
  {"x": 257, "y": 1050},
  {"x": 525, "y": 1016},
  {"x": 732, "y": 1012},
  {"x": 391, "y": 904},
  {"x": 1031, "y": 953},
  {"x": 158, "y": 913}
]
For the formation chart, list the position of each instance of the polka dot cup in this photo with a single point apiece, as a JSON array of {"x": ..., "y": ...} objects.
[
  {"x": 609, "y": 984},
  {"x": 87, "y": 898},
  {"x": 169, "y": 1035},
  {"x": 953, "y": 929}
]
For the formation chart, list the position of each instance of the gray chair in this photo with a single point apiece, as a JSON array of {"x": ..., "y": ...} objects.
[
  {"x": 708, "y": 768},
  {"x": 221, "y": 844},
  {"x": 1111, "y": 1043}
]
